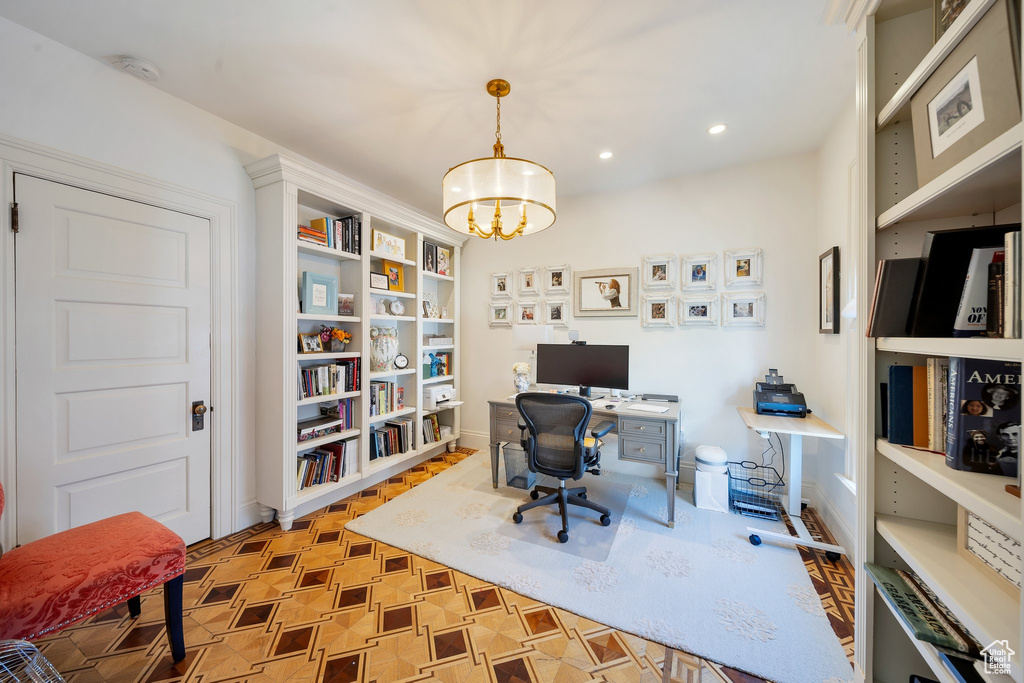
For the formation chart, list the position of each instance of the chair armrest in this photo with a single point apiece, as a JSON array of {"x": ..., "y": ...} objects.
[{"x": 602, "y": 429}]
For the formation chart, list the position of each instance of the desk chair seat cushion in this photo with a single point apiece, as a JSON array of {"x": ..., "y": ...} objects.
[{"x": 55, "y": 581}]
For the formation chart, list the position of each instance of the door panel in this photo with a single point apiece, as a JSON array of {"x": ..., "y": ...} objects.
[{"x": 112, "y": 347}]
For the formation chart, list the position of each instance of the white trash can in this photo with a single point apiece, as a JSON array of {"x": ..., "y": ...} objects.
[{"x": 711, "y": 479}]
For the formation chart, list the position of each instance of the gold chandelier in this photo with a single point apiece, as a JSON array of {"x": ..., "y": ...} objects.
[{"x": 483, "y": 187}]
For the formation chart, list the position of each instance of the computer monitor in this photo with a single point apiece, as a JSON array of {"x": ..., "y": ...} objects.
[{"x": 590, "y": 365}]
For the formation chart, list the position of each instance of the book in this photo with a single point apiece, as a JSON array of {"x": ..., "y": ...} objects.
[
  {"x": 1011, "y": 286},
  {"x": 890, "y": 303},
  {"x": 938, "y": 369},
  {"x": 994, "y": 322},
  {"x": 983, "y": 416},
  {"x": 921, "y": 406},
  {"x": 901, "y": 404},
  {"x": 971, "y": 314},
  {"x": 946, "y": 258}
]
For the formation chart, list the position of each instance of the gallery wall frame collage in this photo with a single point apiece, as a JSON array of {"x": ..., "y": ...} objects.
[{"x": 666, "y": 291}]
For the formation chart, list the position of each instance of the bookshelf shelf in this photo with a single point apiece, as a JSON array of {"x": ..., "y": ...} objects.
[
  {"x": 394, "y": 318},
  {"x": 985, "y": 182},
  {"x": 929, "y": 548},
  {"x": 330, "y": 438},
  {"x": 328, "y": 355},
  {"x": 317, "y": 250},
  {"x": 442, "y": 347},
  {"x": 926, "y": 650},
  {"x": 312, "y": 400},
  {"x": 329, "y": 318},
  {"x": 435, "y": 276},
  {"x": 396, "y": 294},
  {"x": 389, "y": 257},
  {"x": 408, "y": 410},
  {"x": 439, "y": 378},
  {"x": 312, "y": 492},
  {"x": 437, "y": 320},
  {"x": 982, "y": 494},
  {"x": 970, "y": 347},
  {"x": 387, "y": 461},
  {"x": 383, "y": 374}
]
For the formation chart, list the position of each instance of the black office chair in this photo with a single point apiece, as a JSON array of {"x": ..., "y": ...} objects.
[{"x": 557, "y": 445}]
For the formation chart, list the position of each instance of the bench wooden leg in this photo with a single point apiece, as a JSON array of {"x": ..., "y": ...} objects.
[
  {"x": 172, "y": 617},
  {"x": 135, "y": 606}
]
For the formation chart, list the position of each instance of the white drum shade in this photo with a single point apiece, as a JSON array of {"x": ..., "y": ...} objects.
[{"x": 479, "y": 184}]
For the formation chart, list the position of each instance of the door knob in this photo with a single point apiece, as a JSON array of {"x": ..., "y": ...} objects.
[
  {"x": 199, "y": 410},
  {"x": 198, "y": 415}
]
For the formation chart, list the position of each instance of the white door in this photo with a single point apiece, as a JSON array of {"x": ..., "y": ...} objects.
[{"x": 113, "y": 347}]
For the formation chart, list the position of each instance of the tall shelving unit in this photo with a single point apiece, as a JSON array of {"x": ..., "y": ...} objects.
[
  {"x": 907, "y": 499},
  {"x": 289, "y": 192}
]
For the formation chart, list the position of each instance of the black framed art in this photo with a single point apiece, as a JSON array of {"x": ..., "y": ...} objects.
[{"x": 828, "y": 292}]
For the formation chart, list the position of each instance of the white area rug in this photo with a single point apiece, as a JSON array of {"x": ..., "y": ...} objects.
[{"x": 700, "y": 587}]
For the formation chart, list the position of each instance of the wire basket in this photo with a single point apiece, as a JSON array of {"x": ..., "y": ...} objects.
[
  {"x": 21, "y": 661},
  {"x": 755, "y": 490}
]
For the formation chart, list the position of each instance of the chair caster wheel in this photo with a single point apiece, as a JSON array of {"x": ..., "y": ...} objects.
[
  {"x": 563, "y": 536},
  {"x": 755, "y": 539},
  {"x": 517, "y": 517},
  {"x": 605, "y": 520},
  {"x": 832, "y": 557},
  {"x": 803, "y": 506},
  {"x": 534, "y": 495}
]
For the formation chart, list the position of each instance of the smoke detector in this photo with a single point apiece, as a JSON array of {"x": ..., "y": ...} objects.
[{"x": 136, "y": 66}]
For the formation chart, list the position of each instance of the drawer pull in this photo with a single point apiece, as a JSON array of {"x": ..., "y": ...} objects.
[
  {"x": 642, "y": 450},
  {"x": 510, "y": 413},
  {"x": 641, "y": 428},
  {"x": 510, "y": 431}
]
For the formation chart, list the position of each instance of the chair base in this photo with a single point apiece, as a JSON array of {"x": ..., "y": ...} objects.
[{"x": 564, "y": 497}]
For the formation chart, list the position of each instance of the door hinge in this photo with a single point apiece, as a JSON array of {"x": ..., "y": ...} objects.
[{"x": 14, "y": 217}]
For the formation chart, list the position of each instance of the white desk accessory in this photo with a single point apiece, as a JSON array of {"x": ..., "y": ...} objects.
[{"x": 647, "y": 408}]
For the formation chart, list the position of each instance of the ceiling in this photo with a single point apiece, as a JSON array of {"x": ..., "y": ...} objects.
[{"x": 391, "y": 92}]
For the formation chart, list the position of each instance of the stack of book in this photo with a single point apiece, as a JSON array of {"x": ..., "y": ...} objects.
[
  {"x": 321, "y": 380},
  {"x": 431, "y": 429},
  {"x": 966, "y": 283},
  {"x": 350, "y": 374},
  {"x": 318, "y": 427},
  {"x": 394, "y": 437},
  {"x": 342, "y": 411},
  {"x": 333, "y": 233},
  {"x": 916, "y": 404},
  {"x": 327, "y": 463},
  {"x": 385, "y": 397}
]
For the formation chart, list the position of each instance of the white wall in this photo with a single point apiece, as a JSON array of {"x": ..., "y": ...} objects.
[{"x": 771, "y": 204}]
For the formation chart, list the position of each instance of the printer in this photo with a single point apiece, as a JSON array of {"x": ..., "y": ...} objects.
[
  {"x": 775, "y": 397},
  {"x": 437, "y": 395}
]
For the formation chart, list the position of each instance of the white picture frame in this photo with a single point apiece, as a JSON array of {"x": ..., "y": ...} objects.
[
  {"x": 698, "y": 309},
  {"x": 743, "y": 267},
  {"x": 698, "y": 272},
  {"x": 659, "y": 272},
  {"x": 526, "y": 312},
  {"x": 500, "y": 314},
  {"x": 556, "y": 312},
  {"x": 743, "y": 309},
  {"x": 957, "y": 109},
  {"x": 501, "y": 285},
  {"x": 557, "y": 279},
  {"x": 658, "y": 311},
  {"x": 527, "y": 281},
  {"x": 605, "y": 293}
]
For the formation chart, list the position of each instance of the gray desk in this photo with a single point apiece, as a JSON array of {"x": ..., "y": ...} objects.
[{"x": 651, "y": 438}]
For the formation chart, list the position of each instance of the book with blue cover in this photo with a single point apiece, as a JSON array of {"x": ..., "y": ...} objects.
[
  {"x": 983, "y": 416},
  {"x": 900, "y": 407}
]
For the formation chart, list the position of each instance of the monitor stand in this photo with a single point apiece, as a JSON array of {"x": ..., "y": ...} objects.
[{"x": 585, "y": 393}]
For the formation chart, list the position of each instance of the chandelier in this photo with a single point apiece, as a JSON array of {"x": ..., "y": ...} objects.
[{"x": 482, "y": 189}]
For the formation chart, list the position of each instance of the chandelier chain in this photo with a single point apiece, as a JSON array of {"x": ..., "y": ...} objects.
[{"x": 497, "y": 133}]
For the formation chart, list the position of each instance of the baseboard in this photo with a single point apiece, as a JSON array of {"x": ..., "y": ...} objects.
[
  {"x": 481, "y": 441},
  {"x": 248, "y": 513},
  {"x": 835, "y": 522}
]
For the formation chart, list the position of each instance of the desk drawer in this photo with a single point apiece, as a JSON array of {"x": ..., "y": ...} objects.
[
  {"x": 640, "y": 450},
  {"x": 506, "y": 431},
  {"x": 506, "y": 413},
  {"x": 653, "y": 429}
]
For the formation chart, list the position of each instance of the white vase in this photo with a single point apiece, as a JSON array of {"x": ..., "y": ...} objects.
[
  {"x": 383, "y": 348},
  {"x": 521, "y": 381}
]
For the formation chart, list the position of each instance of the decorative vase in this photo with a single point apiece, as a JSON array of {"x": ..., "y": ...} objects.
[
  {"x": 521, "y": 381},
  {"x": 383, "y": 348},
  {"x": 337, "y": 346}
]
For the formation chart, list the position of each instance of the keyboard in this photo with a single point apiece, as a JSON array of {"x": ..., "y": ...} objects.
[{"x": 647, "y": 408}]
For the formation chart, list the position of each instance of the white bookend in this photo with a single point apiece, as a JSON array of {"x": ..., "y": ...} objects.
[{"x": 970, "y": 317}]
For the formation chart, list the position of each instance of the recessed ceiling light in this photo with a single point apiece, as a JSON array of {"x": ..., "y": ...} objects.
[
  {"x": 605, "y": 155},
  {"x": 716, "y": 129}
]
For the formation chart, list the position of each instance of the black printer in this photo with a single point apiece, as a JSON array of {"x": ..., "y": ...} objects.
[{"x": 775, "y": 397}]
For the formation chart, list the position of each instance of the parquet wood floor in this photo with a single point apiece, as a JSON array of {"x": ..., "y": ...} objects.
[{"x": 318, "y": 603}]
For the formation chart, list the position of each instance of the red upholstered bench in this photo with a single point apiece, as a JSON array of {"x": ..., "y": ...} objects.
[{"x": 56, "y": 581}]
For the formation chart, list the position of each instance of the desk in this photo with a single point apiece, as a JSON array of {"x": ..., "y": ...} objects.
[
  {"x": 797, "y": 428},
  {"x": 651, "y": 438}
]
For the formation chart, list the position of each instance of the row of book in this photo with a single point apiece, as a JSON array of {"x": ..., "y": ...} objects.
[
  {"x": 334, "y": 233},
  {"x": 966, "y": 283},
  {"x": 385, "y": 397},
  {"x": 967, "y": 408},
  {"x": 327, "y": 463},
  {"x": 333, "y": 418},
  {"x": 325, "y": 380},
  {"x": 394, "y": 437},
  {"x": 924, "y": 614},
  {"x": 431, "y": 429}
]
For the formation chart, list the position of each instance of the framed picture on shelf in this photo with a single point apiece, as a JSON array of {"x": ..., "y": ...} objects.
[
  {"x": 604, "y": 293},
  {"x": 658, "y": 311},
  {"x": 944, "y": 13},
  {"x": 310, "y": 343},
  {"x": 527, "y": 313},
  {"x": 828, "y": 292},
  {"x": 528, "y": 282},
  {"x": 743, "y": 267},
  {"x": 557, "y": 279},
  {"x": 698, "y": 271},
  {"x": 383, "y": 243},
  {"x": 444, "y": 261},
  {"x": 319, "y": 293},
  {"x": 500, "y": 314},
  {"x": 430, "y": 305},
  {"x": 743, "y": 309},
  {"x": 556, "y": 313},
  {"x": 429, "y": 257},
  {"x": 501, "y": 287},
  {"x": 346, "y": 304},
  {"x": 378, "y": 281},
  {"x": 659, "y": 272},
  {"x": 698, "y": 309},
  {"x": 395, "y": 273}
]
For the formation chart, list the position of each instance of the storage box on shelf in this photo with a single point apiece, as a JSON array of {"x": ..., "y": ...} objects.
[
  {"x": 298, "y": 390},
  {"x": 907, "y": 498}
]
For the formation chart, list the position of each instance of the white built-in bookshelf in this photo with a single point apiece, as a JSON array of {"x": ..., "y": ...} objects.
[
  {"x": 290, "y": 193},
  {"x": 907, "y": 499}
]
